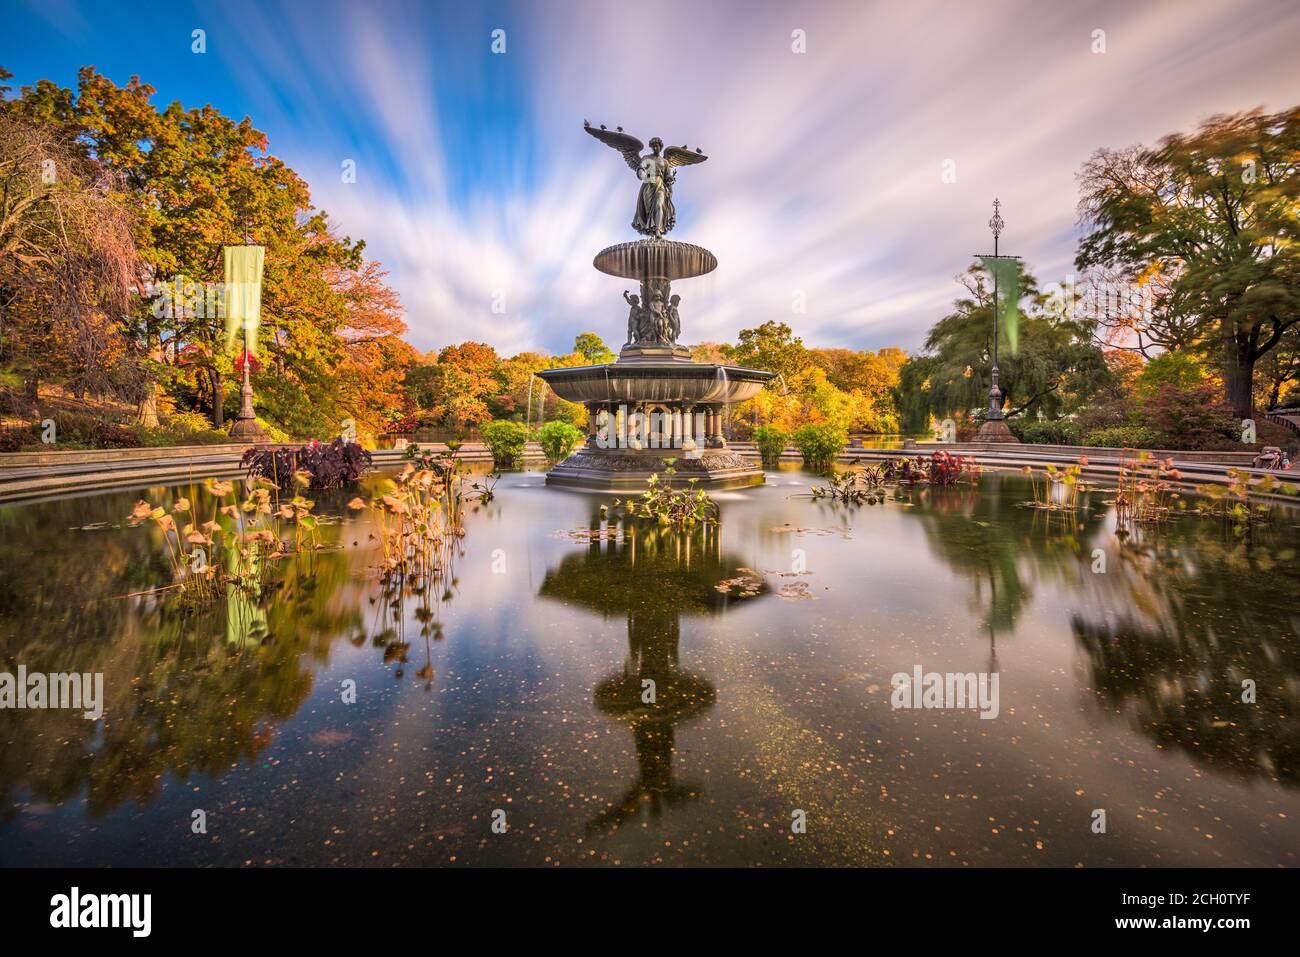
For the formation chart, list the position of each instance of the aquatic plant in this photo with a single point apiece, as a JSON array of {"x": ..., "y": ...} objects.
[
  {"x": 820, "y": 445},
  {"x": 771, "y": 442},
  {"x": 662, "y": 503},
  {"x": 946, "y": 468},
  {"x": 558, "y": 440},
  {"x": 430, "y": 458},
  {"x": 941, "y": 468},
  {"x": 1234, "y": 503},
  {"x": 421, "y": 514},
  {"x": 1147, "y": 490},
  {"x": 1059, "y": 490},
  {"x": 236, "y": 545},
  {"x": 335, "y": 464},
  {"x": 868, "y": 484},
  {"x": 507, "y": 441},
  {"x": 864, "y": 485}
]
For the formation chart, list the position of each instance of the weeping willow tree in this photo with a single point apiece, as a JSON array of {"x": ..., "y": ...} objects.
[{"x": 1055, "y": 367}]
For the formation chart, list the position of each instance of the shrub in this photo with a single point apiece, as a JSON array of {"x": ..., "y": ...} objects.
[
  {"x": 558, "y": 439},
  {"x": 771, "y": 443},
  {"x": 1124, "y": 437},
  {"x": 820, "y": 445},
  {"x": 507, "y": 441},
  {"x": 1192, "y": 417},
  {"x": 189, "y": 421},
  {"x": 1058, "y": 432},
  {"x": 316, "y": 464},
  {"x": 1106, "y": 414},
  {"x": 184, "y": 428},
  {"x": 77, "y": 430},
  {"x": 18, "y": 439}
]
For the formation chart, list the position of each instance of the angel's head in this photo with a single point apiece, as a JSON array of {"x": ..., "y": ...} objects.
[
  {"x": 656, "y": 144},
  {"x": 674, "y": 299}
]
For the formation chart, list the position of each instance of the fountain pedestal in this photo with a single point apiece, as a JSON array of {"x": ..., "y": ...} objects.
[{"x": 654, "y": 408}]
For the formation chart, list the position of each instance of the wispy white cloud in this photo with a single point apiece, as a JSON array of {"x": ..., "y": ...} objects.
[{"x": 824, "y": 175}]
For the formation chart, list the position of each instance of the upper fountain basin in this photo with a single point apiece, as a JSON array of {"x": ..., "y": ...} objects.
[
  {"x": 689, "y": 382},
  {"x": 655, "y": 259}
]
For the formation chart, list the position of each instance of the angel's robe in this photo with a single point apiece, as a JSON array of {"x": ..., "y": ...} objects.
[{"x": 655, "y": 214}]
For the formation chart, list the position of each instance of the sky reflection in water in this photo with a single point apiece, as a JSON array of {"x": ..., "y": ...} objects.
[{"x": 520, "y": 689}]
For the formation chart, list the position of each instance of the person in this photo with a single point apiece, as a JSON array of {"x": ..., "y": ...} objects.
[{"x": 1271, "y": 457}]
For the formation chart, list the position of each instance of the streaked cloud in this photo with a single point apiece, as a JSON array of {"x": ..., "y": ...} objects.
[{"x": 824, "y": 178}]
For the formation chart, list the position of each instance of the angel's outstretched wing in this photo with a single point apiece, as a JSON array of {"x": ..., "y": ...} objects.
[
  {"x": 681, "y": 156},
  {"x": 625, "y": 143}
]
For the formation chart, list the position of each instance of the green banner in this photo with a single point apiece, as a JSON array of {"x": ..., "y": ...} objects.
[
  {"x": 243, "y": 293},
  {"x": 1006, "y": 273}
]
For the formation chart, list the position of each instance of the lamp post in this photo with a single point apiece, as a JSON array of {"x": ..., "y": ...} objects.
[
  {"x": 243, "y": 266},
  {"x": 245, "y": 428},
  {"x": 995, "y": 428}
]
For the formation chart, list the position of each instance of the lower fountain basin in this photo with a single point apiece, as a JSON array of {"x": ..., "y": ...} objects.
[
  {"x": 627, "y": 470},
  {"x": 694, "y": 383}
]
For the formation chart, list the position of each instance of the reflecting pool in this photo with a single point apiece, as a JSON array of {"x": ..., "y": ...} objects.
[{"x": 634, "y": 695}]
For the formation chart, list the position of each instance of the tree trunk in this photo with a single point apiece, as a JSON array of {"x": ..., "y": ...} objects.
[
  {"x": 1238, "y": 376},
  {"x": 148, "y": 414},
  {"x": 218, "y": 400}
]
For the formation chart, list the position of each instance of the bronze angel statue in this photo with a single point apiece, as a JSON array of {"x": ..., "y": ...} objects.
[{"x": 655, "y": 214}]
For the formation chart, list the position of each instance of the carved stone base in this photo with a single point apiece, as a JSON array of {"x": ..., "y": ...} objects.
[
  {"x": 996, "y": 430},
  {"x": 654, "y": 353},
  {"x": 626, "y": 469},
  {"x": 247, "y": 430}
]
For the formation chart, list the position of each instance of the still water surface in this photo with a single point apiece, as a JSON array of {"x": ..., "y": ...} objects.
[{"x": 519, "y": 688}]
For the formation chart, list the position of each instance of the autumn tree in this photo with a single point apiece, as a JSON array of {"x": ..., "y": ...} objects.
[
  {"x": 1215, "y": 214},
  {"x": 68, "y": 266},
  {"x": 195, "y": 181}
]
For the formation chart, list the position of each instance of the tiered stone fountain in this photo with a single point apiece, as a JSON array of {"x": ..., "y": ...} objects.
[{"x": 654, "y": 404}]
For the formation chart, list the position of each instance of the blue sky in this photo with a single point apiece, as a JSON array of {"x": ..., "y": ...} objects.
[{"x": 475, "y": 184}]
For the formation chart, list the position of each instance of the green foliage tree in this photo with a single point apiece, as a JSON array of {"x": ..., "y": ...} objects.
[
  {"x": 592, "y": 348},
  {"x": 1216, "y": 214},
  {"x": 1178, "y": 369},
  {"x": 1057, "y": 368},
  {"x": 773, "y": 346}
]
